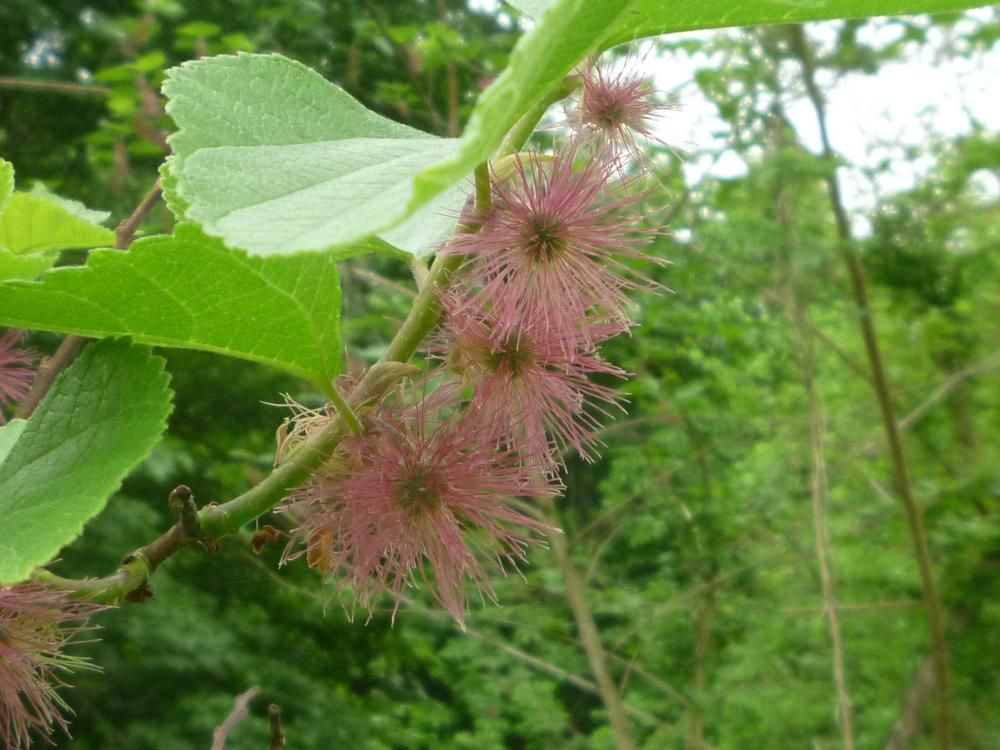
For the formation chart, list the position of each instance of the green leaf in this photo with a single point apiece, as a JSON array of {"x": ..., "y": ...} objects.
[
  {"x": 531, "y": 8},
  {"x": 6, "y": 181},
  {"x": 654, "y": 17},
  {"x": 273, "y": 158},
  {"x": 9, "y": 433},
  {"x": 38, "y": 222},
  {"x": 76, "y": 208},
  {"x": 24, "y": 266},
  {"x": 574, "y": 28},
  {"x": 99, "y": 420},
  {"x": 190, "y": 291}
]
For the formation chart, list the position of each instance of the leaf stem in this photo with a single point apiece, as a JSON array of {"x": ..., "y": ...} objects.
[
  {"x": 484, "y": 192},
  {"x": 524, "y": 127},
  {"x": 344, "y": 410}
]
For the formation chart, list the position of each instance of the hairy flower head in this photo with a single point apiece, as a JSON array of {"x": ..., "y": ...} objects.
[
  {"x": 551, "y": 251},
  {"x": 35, "y": 624},
  {"x": 422, "y": 496},
  {"x": 614, "y": 108},
  {"x": 16, "y": 368},
  {"x": 531, "y": 384}
]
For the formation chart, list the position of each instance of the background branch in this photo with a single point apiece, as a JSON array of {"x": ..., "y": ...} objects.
[
  {"x": 57, "y": 87},
  {"x": 238, "y": 714},
  {"x": 803, "y": 51}
]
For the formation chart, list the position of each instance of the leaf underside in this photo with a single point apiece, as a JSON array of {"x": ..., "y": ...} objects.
[{"x": 273, "y": 158}]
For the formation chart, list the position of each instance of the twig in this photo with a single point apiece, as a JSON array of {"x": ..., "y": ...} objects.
[
  {"x": 904, "y": 487},
  {"x": 590, "y": 639},
  {"x": 238, "y": 714},
  {"x": 59, "y": 87},
  {"x": 798, "y": 313},
  {"x": 375, "y": 278},
  {"x": 277, "y": 733},
  {"x": 630, "y": 663},
  {"x": 870, "y": 607},
  {"x": 72, "y": 345},
  {"x": 556, "y": 671},
  {"x": 47, "y": 374},
  {"x": 452, "y": 78},
  {"x": 127, "y": 229},
  {"x": 910, "y": 722},
  {"x": 677, "y": 601},
  {"x": 923, "y": 408},
  {"x": 544, "y": 666},
  {"x": 945, "y": 389}
]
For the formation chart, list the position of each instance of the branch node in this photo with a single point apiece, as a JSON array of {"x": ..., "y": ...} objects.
[
  {"x": 139, "y": 594},
  {"x": 181, "y": 502}
]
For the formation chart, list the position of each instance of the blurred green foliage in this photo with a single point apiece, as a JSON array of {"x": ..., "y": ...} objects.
[{"x": 693, "y": 532}]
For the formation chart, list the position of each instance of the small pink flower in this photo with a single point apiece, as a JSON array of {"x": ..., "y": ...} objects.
[
  {"x": 422, "y": 484},
  {"x": 616, "y": 107},
  {"x": 531, "y": 383},
  {"x": 550, "y": 250},
  {"x": 35, "y": 624},
  {"x": 16, "y": 369}
]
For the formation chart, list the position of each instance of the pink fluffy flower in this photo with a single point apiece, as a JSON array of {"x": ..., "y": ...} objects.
[
  {"x": 422, "y": 485},
  {"x": 35, "y": 624},
  {"x": 16, "y": 369},
  {"x": 531, "y": 384},
  {"x": 614, "y": 108},
  {"x": 551, "y": 249}
]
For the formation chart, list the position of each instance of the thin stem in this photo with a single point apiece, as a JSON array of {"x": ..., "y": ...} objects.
[
  {"x": 58, "y": 87},
  {"x": 821, "y": 535},
  {"x": 419, "y": 270},
  {"x": 47, "y": 374},
  {"x": 590, "y": 639},
  {"x": 798, "y": 314},
  {"x": 484, "y": 191},
  {"x": 909, "y": 724},
  {"x": 375, "y": 278},
  {"x": 344, "y": 410},
  {"x": 524, "y": 127},
  {"x": 870, "y": 607},
  {"x": 904, "y": 487},
  {"x": 703, "y": 639},
  {"x": 241, "y": 709},
  {"x": 126, "y": 230}
]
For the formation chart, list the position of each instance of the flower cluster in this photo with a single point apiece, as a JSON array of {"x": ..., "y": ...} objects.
[
  {"x": 35, "y": 624},
  {"x": 425, "y": 492}
]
